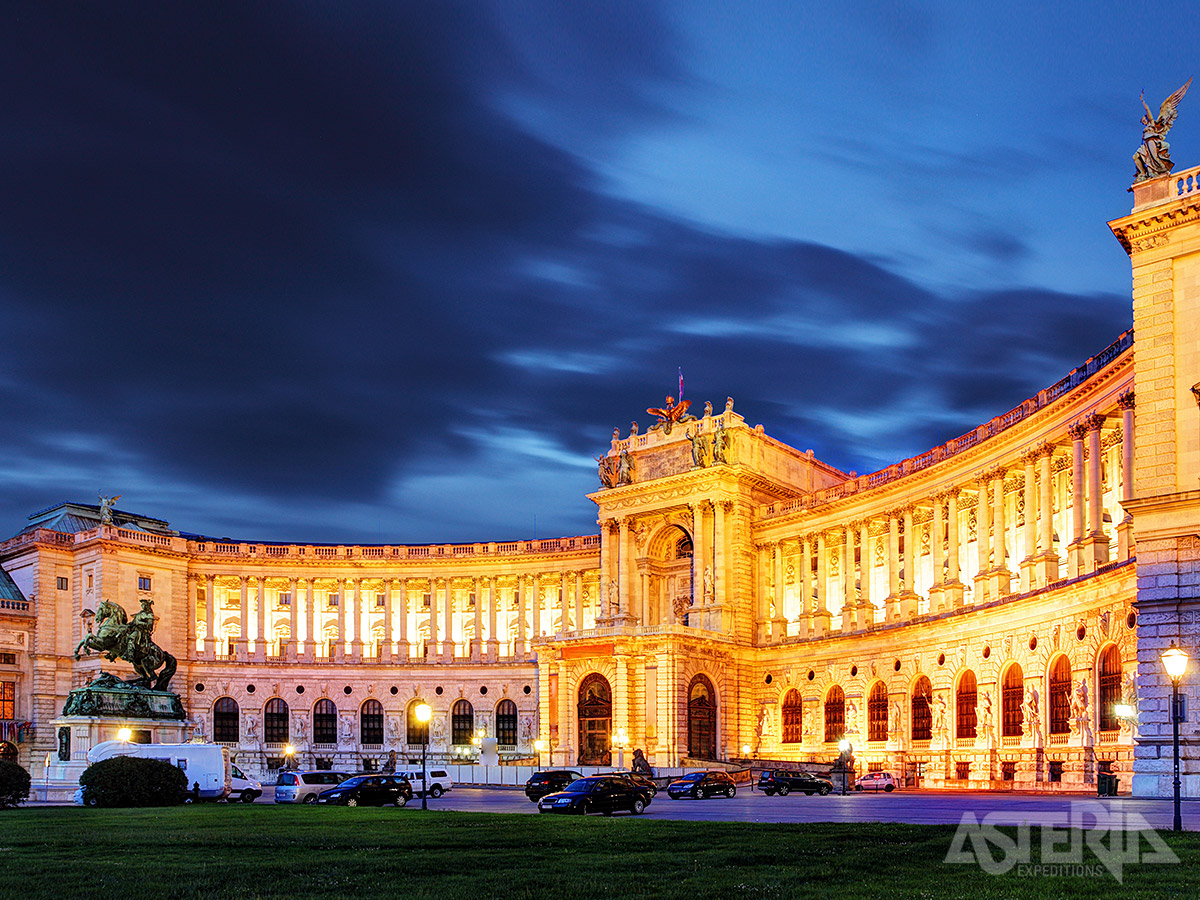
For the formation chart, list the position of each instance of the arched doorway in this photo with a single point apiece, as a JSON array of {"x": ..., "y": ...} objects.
[
  {"x": 8, "y": 752},
  {"x": 702, "y": 719},
  {"x": 595, "y": 721}
]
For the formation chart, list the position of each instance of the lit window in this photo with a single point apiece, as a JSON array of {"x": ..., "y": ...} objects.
[
  {"x": 333, "y": 601},
  {"x": 285, "y": 599},
  {"x": 380, "y": 599},
  {"x": 8, "y": 700}
]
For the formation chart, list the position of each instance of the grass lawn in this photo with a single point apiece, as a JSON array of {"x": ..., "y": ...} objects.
[{"x": 218, "y": 852}]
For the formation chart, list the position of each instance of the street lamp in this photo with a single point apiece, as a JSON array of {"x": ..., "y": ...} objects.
[
  {"x": 124, "y": 734},
  {"x": 1175, "y": 662},
  {"x": 621, "y": 741},
  {"x": 845, "y": 748},
  {"x": 289, "y": 755},
  {"x": 539, "y": 746},
  {"x": 424, "y": 713}
]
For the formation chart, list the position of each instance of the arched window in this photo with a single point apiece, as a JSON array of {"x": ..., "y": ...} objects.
[
  {"x": 877, "y": 713},
  {"x": 506, "y": 723},
  {"x": 370, "y": 722},
  {"x": 922, "y": 715},
  {"x": 275, "y": 722},
  {"x": 462, "y": 722},
  {"x": 225, "y": 721},
  {"x": 1110, "y": 688},
  {"x": 793, "y": 717},
  {"x": 418, "y": 731},
  {"x": 1010, "y": 701},
  {"x": 702, "y": 719},
  {"x": 835, "y": 715},
  {"x": 1060, "y": 696},
  {"x": 324, "y": 722},
  {"x": 8, "y": 752},
  {"x": 965, "y": 725}
]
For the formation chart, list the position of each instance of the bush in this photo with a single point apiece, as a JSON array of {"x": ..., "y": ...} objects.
[
  {"x": 133, "y": 781},
  {"x": 14, "y": 785}
]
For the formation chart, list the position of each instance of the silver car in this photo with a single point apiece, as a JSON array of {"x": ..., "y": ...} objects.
[{"x": 303, "y": 787}]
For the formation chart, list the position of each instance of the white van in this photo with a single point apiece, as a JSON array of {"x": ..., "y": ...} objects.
[
  {"x": 207, "y": 766},
  {"x": 439, "y": 782}
]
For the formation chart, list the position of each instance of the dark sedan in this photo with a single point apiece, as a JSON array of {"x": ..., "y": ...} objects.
[
  {"x": 783, "y": 782},
  {"x": 596, "y": 794},
  {"x": 640, "y": 780},
  {"x": 370, "y": 790},
  {"x": 542, "y": 783},
  {"x": 702, "y": 784}
]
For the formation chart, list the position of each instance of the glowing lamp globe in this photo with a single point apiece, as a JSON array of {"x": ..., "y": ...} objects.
[{"x": 1175, "y": 662}]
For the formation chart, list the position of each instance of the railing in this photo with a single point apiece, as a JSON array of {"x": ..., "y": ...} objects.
[
  {"x": 964, "y": 442},
  {"x": 15, "y": 605},
  {"x": 435, "y": 551},
  {"x": 1187, "y": 182},
  {"x": 1011, "y": 740}
]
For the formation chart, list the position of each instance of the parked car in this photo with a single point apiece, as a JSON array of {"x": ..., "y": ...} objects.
[
  {"x": 640, "y": 780},
  {"x": 369, "y": 790},
  {"x": 876, "y": 781},
  {"x": 244, "y": 788},
  {"x": 439, "y": 782},
  {"x": 303, "y": 787},
  {"x": 596, "y": 793},
  {"x": 702, "y": 784},
  {"x": 542, "y": 783},
  {"x": 783, "y": 782}
]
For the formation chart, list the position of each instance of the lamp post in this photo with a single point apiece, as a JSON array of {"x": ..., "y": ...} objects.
[
  {"x": 1175, "y": 662},
  {"x": 124, "y": 734},
  {"x": 846, "y": 748},
  {"x": 289, "y": 755},
  {"x": 424, "y": 713},
  {"x": 746, "y": 755},
  {"x": 621, "y": 740},
  {"x": 539, "y": 746}
]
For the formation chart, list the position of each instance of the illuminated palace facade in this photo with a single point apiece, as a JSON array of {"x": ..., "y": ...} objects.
[{"x": 988, "y": 614}]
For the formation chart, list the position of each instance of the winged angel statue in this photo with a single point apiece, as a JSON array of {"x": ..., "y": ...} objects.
[{"x": 1153, "y": 158}]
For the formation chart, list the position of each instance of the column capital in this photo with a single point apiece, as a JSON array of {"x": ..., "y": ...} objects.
[
  {"x": 243, "y": 580},
  {"x": 1096, "y": 421},
  {"x": 1125, "y": 400},
  {"x": 292, "y": 582},
  {"x": 1078, "y": 430}
]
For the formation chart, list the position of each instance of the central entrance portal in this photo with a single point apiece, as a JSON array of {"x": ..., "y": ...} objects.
[{"x": 595, "y": 721}]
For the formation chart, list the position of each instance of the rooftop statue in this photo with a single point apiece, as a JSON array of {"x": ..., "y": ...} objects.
[
  {"x": 118, "y": 637},
  {"x": 106, "y": 508},
  {"x": 671, "y": 413},
  {"x": 1153, "y": 158}
]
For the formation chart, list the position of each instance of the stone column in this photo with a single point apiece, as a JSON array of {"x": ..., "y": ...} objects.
[
  {"x": 292, "y": 647},
  {"x": 999, "y": 578},
  {"x": 564, "y": 604},
  {"x": 537, "y": 599},
  {"x": 521, "y": 645},
  {"x": 356, "y": 643},
  {"x": 804, "y": 586},
  {"x": 698, "y": 556},
  {"x": 779, "y": 623},
  {"x": 402, "y": 646},
  {"x": 210, "y": 606},
  {"x": 822, "y": 615},
  {"x": 493, "y": 602},
  {"x": 310, "y": 642},
  {"x": 866, "y": 612},
  {"x": 719, "y": 574},
  {"x": 764, "y": 562},
  {"x": 624, "y": 570},
  {"x": 578, "y": 601},
  {"x": 1046, "y": 571},
  {"x": 605, "y": 563},
  {"x": 1029, "y": 532},
  {"x": 434, "y": 647},
  {"x": 937, "y": 589},
  {"x": 954, "y": 589},
  {"x": 1125, "y": 528},
  {"x": 1075, "y": 560},
  {"x": 193, "y": 612},
  {"x": 340, "y": 648},
  {"x": 1095, "y": 542},
  {"x": 893, "y": 597},
  {"x": 848, "y": 598},
  {"x": 477, "y": 638},
  {"x": 983, "y": 538},
  {"x": 448, "y": 631},
  {"x": 908, "y": 599}
]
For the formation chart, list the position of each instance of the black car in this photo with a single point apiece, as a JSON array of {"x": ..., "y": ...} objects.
[
  {"x": 542, "y": 783},
  {"x": 640, "y": 780},
  {"x": 783, "y": 782},
  {"x": 596, "y": 793},
  {"x": 369, "y": 790},
  {"x": 702, "y": 784}
]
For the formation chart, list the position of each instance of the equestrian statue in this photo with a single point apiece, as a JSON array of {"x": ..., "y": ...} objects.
[{"x": 119, "y": 637}]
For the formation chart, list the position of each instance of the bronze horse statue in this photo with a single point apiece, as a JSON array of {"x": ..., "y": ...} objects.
[{"x": 117, "y": 637}]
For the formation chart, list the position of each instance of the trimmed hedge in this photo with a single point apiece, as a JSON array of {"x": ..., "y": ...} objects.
[
  {"x": 133, "y": 781},
  {"x": 14, "y": 785}
]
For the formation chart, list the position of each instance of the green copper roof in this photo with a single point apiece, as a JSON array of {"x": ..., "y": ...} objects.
[{"x": 8, "y": 587}]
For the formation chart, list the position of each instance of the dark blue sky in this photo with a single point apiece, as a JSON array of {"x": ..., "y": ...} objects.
[{"x": 394, "y": 271}]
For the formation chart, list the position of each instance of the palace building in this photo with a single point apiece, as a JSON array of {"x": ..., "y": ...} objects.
[{"x": 989, "y": 614}]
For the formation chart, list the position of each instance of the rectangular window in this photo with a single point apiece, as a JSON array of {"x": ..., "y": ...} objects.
[
  {"x": 232, "y": 652},
  {"x": 962, "y": 771},
  {"x": 426, "y": 601},
  {"x": 89, "y": 580},
  {"x": 143, "y": 582},
  {"x": 333, "y": 601},
  {"x": 8, "y": 659},
  {"x": 380, "y": 599},
  {"x": 1008, "y": 771},
  {"x": 1056, "y": 767},
  {"x": 63, "y": 584},
  {"x": 285, "y": 598},
  {"x": 8, "y": 700}
]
